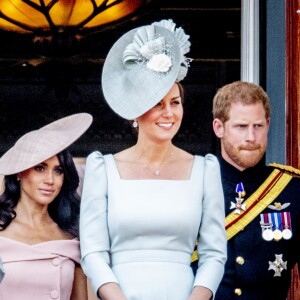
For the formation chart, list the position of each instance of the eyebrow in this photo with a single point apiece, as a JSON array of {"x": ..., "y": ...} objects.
[
  {"x": 176, "y": 97},
  {"x": 45, "y": 164},
  {"x": 173, "y": 98}
]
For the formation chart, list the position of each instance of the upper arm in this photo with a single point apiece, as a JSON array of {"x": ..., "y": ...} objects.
[
  {"x": 79, "y": 290},
  {"x": 93, "y": 207},
  {"x": 94, "y": 233},
  {"x": 212, "y": 244}
]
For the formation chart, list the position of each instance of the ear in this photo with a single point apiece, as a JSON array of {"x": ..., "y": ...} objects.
[
  {"x": 268, "y": 123},
  {"x": 218, "y": 128}
]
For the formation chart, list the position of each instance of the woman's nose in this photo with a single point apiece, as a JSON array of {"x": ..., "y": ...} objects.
[
  {"x": 167, "y": 110},
  {"x": 49, "y": 178}
]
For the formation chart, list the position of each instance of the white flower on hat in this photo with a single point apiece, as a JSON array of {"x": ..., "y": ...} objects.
[
  {"x": 183, "y": 40},
  {"x": 152, "y": 49},
  {"x": 159, "y": 63}
]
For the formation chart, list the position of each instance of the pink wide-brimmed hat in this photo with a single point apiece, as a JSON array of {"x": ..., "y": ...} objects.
[{"x": 37, "y": 146}]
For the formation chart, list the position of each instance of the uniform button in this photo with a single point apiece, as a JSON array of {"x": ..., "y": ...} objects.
[
  {"x": 240, "y": 260},
  {"x": 54, "y": 294},
  {"x": 56, "y": 261},
  {"x": 238, "y": 292}
]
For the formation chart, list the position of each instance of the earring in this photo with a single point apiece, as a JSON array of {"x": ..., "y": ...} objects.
[
  {"x": 18, "y": 177},
  {"x": 135, "y": 124}
]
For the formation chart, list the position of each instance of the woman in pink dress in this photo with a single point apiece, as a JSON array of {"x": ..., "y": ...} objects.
[{"x": 39, "y": 210}]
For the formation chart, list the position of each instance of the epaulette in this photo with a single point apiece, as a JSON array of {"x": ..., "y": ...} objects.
[{"x": 288, "y": 169}]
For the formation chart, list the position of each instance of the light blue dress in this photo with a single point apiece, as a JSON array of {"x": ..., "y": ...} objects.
[
  {"x": 141, "y": 233},
  {"x": 1, "y": 270}
]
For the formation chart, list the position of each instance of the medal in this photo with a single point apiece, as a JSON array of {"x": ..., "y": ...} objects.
[
  {"x": 239, "y": 206},
  {"x": 268, "y": 235},
  {"x": 276, "y": 218},
  {"x": 278, "y": 265},
  {"x": 277, "y": 234},
  {"x": 287, "y": 234},
  {"x": 266, "y": 226},
  {"x": 272, "y": 224},
  {"x": 286, "y": 224}
]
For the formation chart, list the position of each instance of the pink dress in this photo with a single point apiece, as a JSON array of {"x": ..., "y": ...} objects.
[{"x": 38, "y": 272}]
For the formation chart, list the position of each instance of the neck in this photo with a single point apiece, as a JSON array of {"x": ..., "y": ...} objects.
[
  {"x": 32, "y": 215},
  {"x": 153, "y": 152},
  {"x": 155, "y": 156}
]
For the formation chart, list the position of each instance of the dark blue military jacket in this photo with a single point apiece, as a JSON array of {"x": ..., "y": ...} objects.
[{"x": 248, "y": 275}]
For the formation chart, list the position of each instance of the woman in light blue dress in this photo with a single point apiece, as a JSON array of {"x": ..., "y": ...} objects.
[{"x": 144, "y": 208}]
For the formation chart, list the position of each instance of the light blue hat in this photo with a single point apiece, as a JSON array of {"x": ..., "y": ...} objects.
[{"x": 142, "y": 66}]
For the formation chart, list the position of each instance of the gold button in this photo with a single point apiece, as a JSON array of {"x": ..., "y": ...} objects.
[
  {"x": 240, "y": 260},
  {"x": 238, "y": 292}
]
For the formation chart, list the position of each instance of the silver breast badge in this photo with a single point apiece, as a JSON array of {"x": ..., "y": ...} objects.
[{"x": 278, "y": 265}]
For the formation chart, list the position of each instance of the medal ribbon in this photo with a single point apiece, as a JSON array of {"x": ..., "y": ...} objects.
[
  {"x": 239, "y": 188},
  {"x": 286, "y": 220},
  {"x": 265, "y": 220},
  {"x": 257, "y": 202},
  {"x": 276, "y": 220}
]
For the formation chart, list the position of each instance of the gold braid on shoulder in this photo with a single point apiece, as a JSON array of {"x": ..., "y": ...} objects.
[{"x": 287, "y": 169}]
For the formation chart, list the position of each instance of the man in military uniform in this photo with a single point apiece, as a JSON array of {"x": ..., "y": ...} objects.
[{"x": 262, "y": 203}]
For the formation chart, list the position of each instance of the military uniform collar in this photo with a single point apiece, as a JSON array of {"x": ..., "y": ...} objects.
[{"x": 234, "y": 174}]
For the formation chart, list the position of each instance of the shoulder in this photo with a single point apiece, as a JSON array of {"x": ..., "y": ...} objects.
[
  {"x": 182, "y": 155},
  {"x": 96, "y": 162},
  {"x": 209, "y": 159},
  {"x": 125, "y": 155},
  {"x": 210, "y": 165},
  {"x": 97, "y": 157},
  {"x": 286, "y": 169}
]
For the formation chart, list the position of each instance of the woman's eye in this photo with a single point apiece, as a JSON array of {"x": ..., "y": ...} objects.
[
  {"x": 59, "y": 171},
  {"x": 39, "y": 168}
]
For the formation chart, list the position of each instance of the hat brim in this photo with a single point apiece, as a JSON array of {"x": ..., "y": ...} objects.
[
  {"x": 39, "y": 145},
  {"x": 132, "y": 92}
]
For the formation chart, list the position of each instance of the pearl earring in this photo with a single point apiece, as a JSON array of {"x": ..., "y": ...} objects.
[{"x": 135, "y": 124}]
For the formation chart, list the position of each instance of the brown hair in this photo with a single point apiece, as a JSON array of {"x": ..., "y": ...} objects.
[
  {"x": 239, "y": 92},
  {"x": 181, "y": 91}
]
